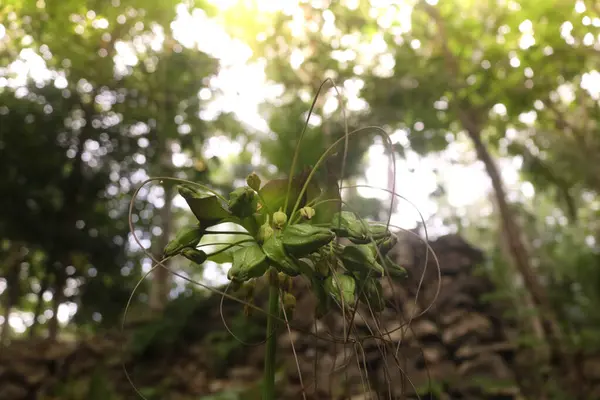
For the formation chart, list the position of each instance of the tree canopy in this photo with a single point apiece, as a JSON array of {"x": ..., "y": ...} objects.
[{"x": 98, "y": 96}]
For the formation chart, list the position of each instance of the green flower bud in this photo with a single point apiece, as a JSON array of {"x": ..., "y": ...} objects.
[
  {"x": 393, "y": 269},
  {"x": 372, "y": 294},
  {"x": 273, "y": 248},
  {"x": 279, "y": 218},
  {"x": 248, "y": 262},
  {"x": 379, "y": 232},
  {"x": 248, "y": 311},
  {"x": 386, "y": 244},
  {"x": 284, "y": 280},
  {"x": 194, "y": 255},
  {"x": 253, "y": 181},
  {"x": 289, "y": 303},
  {"x": 247, "y": 289},
  {"x": 187, "y": 237},
  {"x": 265, "y": 232},
  {"x": 347, "y": 224},
  {"x": 303, "y": 239},
  {"x": 361, "y": 259},
  {"x": 188, "y": 191},
  {"x": 235, "y": 286},
  {"x": 242, "y": 202},
  {"x": 322, "y": 268},
  {"x": 342, "y": 289},
  {"x": 307, "y": 212}
]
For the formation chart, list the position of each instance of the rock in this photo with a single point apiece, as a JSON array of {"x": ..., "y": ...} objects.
[
  {"x": 455, "y": 347},
  {"x": 424, "y": 328},
  {"x": 489, "y": 364},
  {"x": 434, "y": 355},
  {"x": 470, "y": 324},
  {"x": 452, "y": 316},
  {"x": 31, "y": 373},
  {"x": 243, "y": 373},
  {"x": 12, "y": 391},
  {"x": 198, "y": 384},
  {"x": 591, "y": 369}
]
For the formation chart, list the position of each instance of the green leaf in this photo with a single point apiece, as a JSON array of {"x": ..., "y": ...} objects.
[
  {"x": 274, "y": 193},
  {"x": 324, "y": 188},
  {"x": 222, "y": 257}
]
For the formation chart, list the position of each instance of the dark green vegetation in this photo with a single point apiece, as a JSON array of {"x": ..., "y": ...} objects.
[{"x": 489, "y": 81}]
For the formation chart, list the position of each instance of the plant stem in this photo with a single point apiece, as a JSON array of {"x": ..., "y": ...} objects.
[{"x": 271, "y": 349}]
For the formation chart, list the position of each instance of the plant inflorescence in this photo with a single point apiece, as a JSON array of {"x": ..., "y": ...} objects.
[{"x": 296, "y": 226}]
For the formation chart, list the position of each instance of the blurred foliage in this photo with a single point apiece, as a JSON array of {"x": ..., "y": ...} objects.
[{"x": 114, "y": 98}]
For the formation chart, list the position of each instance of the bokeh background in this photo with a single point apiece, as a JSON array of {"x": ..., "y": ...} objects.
[{"x": 492, "y": 108}]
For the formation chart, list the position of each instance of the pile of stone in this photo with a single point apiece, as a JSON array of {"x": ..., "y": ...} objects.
[{"x": 458, "y": 349}]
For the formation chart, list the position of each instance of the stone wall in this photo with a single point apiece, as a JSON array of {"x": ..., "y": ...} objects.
[{"x": 458, "y": 350}]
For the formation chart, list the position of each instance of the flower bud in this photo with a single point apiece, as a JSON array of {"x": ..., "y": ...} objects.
[
  {"x": 279, "y": 218},
  {"x": 289, "y": 303},
  {"x": 187, "y": 237},
  {"x": 248, "y": 310},
  {"x": 307, "y": 212},
  {"x": 284, "y": 280},
  {"x": 194, "y": 255},
  {"x": 246, "y": 290},
  {"x": 264, "y": 232},
  {"x": 253, "y": 181}
]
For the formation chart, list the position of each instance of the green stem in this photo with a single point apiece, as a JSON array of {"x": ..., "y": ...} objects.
[{"x": 271, "y": 349}]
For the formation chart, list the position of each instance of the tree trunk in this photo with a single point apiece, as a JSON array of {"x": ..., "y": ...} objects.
[
  {"x": 57, "y": 298},
  {"x": 538, "y": 294},
  {"x": 39, "y": 305},
  {"x": 161, "y": 278},
  {"x": 11, "y": 264},
  {"x": 524, "y": 301},
  {"x": 568, "y": 370}
]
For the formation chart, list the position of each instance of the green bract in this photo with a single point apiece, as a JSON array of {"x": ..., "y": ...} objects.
[
  {"x": 187, "y": 237},
  {"x": 360, "y": 259},
  {"x": 342, "y": 288},
  {"x": 372, "y": 294},
  {"x": 242, "y": 202},
  {"x": 248, "y": 262},
  {"x": 208, "y": 208},
  {"x": 386, "y": 244},
  {"x": 323, "y": 300},
  {"x": 379, "y": 232},
  {"x": 303, "y": 239},
  {"x": 346, "y": 224},
  {"x": 273, "y": 248},
  {"x": 393, "y": 269},
  {"x": 194, "y": 255}
]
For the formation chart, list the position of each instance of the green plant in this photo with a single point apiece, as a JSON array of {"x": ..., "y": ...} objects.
[{"x": 294, "y": 226}]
